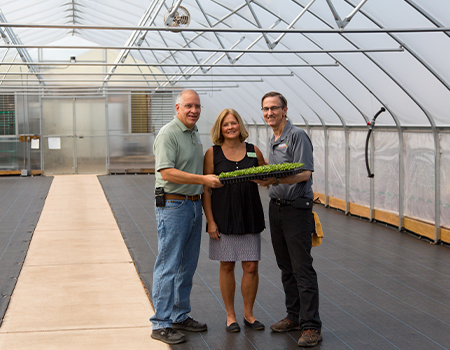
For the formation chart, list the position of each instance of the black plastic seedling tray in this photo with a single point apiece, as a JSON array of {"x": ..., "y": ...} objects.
[{"x": 260, "y": 176}]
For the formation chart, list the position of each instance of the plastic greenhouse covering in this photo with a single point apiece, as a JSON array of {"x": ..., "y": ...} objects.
[{"x": 338, "y": 62}]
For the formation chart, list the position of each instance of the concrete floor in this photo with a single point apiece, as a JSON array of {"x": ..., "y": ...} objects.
[{"x": 78, "y": 288}]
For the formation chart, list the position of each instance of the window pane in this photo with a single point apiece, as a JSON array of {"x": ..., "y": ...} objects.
[
  {"x": 7, "y": 115},
  {"x": 139, "y": 113}
]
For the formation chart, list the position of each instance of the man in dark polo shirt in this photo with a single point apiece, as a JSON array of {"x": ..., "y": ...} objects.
[
  {"x": 292, "y": 222},
  {"x": 179, "y": 184}
]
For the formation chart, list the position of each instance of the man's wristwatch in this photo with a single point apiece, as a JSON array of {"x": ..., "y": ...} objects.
[{"x": 276, "y": 183}]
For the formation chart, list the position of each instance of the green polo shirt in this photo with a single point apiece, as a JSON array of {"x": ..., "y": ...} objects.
[{"x": 176, "y": 146}]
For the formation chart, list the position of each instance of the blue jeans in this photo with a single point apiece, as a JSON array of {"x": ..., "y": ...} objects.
[{"x": 179, "y": 234}]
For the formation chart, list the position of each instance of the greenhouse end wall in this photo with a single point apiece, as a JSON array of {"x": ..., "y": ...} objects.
[{"x": 127, "y": 151}]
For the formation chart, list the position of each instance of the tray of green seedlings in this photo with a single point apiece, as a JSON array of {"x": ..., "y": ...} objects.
[{"x": 261, "y": 172}]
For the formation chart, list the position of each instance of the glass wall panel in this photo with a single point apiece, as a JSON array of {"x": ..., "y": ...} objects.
[
  {"x": 205, "y": 139},
  {"x": 29, "y": 109},
  {"x": 259, "y": 136},
  {"x": 118, "y": 108},
  {"x": 34, "y": 127},
  {"x": 91, "y": 146},
  {"x": 90, "y": 117},
  {"x": 91, "y": 155},
  {"x": 16, "y": 155},
  {"x": 58, "y": 161},
  {"x": 386, "y": 170},
  {"x": 22, "y": 114},
  {"x": 8, "y": 118},
  {"x": 445, "y": 179},
  {"x": 9, "y": 154},
  {"x": 419, "y": 175},
  {"x": 263, "y": 140},
  {"x": 132, "y": 151},
  {"x": 318, "y": 141},
  {"x": 57, "y": 117},
  {"x": 28, "y": 119},
  {"x": 336, "y": 164},
  {"x": 127, "y": 152},
  {"x": 252, "y": 134},
  {"x": 58, "y": 124}
]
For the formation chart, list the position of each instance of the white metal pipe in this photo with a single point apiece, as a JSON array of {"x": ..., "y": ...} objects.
[
  {"x": 131, "y": 81},
  {"x": 158, "y": 74},
  {"x": 277, "y": 40},
  {"x": 173, "y": 65},
  {"x": 232, "y": 30},
  {"x": 188, "y": 49}
]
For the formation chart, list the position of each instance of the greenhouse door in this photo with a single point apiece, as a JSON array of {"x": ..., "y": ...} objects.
[{"x": 74, "y": 136}]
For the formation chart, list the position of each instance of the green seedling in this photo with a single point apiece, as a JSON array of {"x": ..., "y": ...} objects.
[{"x": 263, "y": 169}]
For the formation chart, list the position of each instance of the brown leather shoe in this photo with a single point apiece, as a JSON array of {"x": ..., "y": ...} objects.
[
  {"x": 310, "y": 338},
  {"x": 285, "y": 325}
]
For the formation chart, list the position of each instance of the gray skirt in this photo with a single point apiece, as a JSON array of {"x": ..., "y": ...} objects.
[{"x": 236, "y": 247}]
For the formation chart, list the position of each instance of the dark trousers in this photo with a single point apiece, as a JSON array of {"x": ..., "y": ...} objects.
[{"x": 291, "y": 230}]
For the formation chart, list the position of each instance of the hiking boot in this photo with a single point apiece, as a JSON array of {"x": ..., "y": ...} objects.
[
  {"x": 190, "y": 325},
  {"x": 168, "y": 336},
  {"x": 285, "y": 325},
  {"x": 310, "y": 338}
]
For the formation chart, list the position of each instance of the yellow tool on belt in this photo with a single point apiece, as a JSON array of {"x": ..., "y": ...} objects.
[{"x": 318, "y": 233}]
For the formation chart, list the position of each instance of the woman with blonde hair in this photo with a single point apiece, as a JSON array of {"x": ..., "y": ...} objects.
[{"x": 234, "y": 215}]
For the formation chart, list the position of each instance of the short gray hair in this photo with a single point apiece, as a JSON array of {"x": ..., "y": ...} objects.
[{"x": 181, "y": 94}]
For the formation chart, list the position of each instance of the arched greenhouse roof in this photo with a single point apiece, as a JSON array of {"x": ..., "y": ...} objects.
[{"x": 337, "y": 61}]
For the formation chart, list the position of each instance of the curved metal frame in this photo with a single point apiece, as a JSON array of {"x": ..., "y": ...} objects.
[{"x": 139, "y": 32}]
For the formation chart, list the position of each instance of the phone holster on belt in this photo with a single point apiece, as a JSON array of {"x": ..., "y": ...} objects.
[
  {"x": 303, "y": 203},
  {"x": 159, "y": 197}
]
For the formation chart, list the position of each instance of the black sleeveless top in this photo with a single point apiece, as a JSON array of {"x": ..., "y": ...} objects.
[{"x": 237, "y": 207}]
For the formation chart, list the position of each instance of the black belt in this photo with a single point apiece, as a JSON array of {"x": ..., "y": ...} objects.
[
  {"x": 282, "y": 202},
  {"x": 299, "y": 203}
]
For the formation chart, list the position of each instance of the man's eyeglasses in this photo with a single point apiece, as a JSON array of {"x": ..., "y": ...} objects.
[
  {"x": 273, "y": 108},
  {"x": 189, "y": 106}
]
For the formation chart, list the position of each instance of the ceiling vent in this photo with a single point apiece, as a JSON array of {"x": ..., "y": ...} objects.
[{"x": 181, "y": 17}]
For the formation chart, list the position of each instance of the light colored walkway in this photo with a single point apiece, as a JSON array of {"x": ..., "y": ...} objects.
[{"x": 78, "y": 288}]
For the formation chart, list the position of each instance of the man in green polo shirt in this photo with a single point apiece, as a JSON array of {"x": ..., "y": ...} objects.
[{"x": 179, "y": 184}]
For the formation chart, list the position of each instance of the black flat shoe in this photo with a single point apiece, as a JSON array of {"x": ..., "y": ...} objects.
[
  {"x": 256, "y": 326},
  {"x": 233, "y": 328}
]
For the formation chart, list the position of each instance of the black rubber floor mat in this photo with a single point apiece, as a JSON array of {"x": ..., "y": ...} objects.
[
  {"x": 379, "y": 288},
  {"x": 21, "y": 203}
]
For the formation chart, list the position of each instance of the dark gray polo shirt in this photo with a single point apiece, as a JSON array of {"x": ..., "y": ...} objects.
[
  {"x": 293, "y": 145},
  {"x": 176, "y": 146}
]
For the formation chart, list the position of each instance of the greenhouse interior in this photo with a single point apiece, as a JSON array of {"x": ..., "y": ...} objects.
[
  {"x": 100, "y": 78},
  {"x": 86, "y": 85}
]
